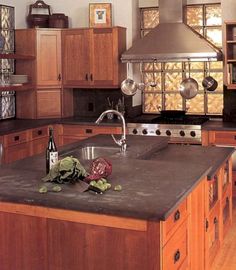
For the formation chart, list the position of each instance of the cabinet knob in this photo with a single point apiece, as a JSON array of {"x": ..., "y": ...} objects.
[
  {"x": 176, "y": 215},
  {"x": 176, "y": 256},
  {"x": 91, "y": 77},
  {"x": 88, "y": 130},
  {"x": 16, "y": 138},
  {"x": 39, "y": 132},
  {"x": 59, "y": 77},
  {"x": 86, "y": 77}
]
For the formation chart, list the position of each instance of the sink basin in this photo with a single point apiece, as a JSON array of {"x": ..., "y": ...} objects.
[{"x": 90, "y": 152}]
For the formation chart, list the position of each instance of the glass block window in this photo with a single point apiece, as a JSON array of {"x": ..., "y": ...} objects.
[{"x": 163, "y": 79}]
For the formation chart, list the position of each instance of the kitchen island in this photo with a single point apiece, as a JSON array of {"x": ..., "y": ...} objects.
[{"x": 156, "y": 222}]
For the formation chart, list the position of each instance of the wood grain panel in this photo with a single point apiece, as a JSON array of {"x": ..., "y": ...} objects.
[
  {"x": 48, "y": 58},
  {"x": 75, "y": 216},
  {"x": 197, "y": 227},
  {"x": 22, "y": 242},
  {"x": 49, "y": 103},
  {"x": 76, "y": 56},
  {"x": 73, "y": 245}
]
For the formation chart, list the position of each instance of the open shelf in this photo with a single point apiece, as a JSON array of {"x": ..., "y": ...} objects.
[
  {"x": 16, "y": 56},
  {"x": 16, "y": 88}
]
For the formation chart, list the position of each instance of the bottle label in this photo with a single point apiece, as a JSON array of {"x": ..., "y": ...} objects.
[{"x": 53, "y": 158}]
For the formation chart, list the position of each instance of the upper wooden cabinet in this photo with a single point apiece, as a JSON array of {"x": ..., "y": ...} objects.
[
  {"x": 230, "y": 54},
  {"x": 48, "y": 58},
  {"x": 91, "y": 57},
  {"x": 44, "y": 100}
]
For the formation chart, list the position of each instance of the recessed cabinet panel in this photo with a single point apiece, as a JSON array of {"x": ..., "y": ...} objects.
[
  {"x": 49, "y": 59},
  {"x": 49, "y": 103},
  {"x": 102, "y": 62},
  {"x": 76, "y": 57}
]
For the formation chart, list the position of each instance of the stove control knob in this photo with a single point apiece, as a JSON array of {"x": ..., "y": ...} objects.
[
  {"x": 158, "y": 132},
  {"x": 193, "y": 133},
  {"x": 168, "y": 133},
  {"x": 135, "y": 131},
  {"x": 144, "y": 132},
  {"x": 182, "y": 133}
]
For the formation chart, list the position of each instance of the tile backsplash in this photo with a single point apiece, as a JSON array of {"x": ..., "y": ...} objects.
[{"x": 92, "y": 102}]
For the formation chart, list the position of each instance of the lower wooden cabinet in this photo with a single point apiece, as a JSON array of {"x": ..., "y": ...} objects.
[
  {"x": 73, "y": 133},
  {"x": 176, "y": 251},
  {"x": 54, "y": 239},
  {"x": 22, "y": 242},
  {"x": 48, "y": 103}
]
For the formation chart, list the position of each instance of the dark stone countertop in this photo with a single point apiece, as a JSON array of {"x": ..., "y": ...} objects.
[
  {"x": 151, "y": 189},
  {"x": 219, "y": 125},
  {"x": 17, "y": 125}
]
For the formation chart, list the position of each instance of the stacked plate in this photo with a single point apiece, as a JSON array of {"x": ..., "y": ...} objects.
[{"x": 18, "y": 79}]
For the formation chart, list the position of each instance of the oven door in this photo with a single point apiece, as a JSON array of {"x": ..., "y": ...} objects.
[{"x": 233, "y": 155}]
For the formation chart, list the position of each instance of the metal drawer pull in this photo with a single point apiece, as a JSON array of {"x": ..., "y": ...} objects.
[
  {"x": 88, "y": 130},
  {"x": 91, "y": 77},
  {"x": 39, "y": 132},
  {"x": 176, "y": 256},
  {"x": 176, "y": 215},
  {"x": 59, "y": 77},
  {"x": 86, "y": 77},
  {"x": 16, "y": 138}
]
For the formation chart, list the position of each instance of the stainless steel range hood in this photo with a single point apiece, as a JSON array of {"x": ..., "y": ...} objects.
[{"x": 172, "y": 39}]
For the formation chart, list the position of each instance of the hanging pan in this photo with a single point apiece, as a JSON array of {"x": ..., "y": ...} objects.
[
  {"x": 209, "y": 83},
  {"x": 188, "y": 87}
]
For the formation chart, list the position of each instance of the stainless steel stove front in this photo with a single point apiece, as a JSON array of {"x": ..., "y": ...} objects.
[{"x": 177, "y": 133}]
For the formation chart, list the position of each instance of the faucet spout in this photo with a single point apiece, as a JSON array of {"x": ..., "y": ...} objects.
[{"x": 122, "y": 141}]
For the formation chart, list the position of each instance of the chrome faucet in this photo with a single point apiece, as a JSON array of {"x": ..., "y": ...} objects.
[{"x": 122, "y": 141}]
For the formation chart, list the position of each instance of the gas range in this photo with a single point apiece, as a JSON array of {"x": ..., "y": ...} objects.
[{"x": 185, "y": 129}]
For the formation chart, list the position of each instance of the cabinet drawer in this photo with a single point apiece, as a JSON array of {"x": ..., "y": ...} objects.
[
  {"x": 174, "y": 220},
  {"x": 225, "y": 138},
  {"x": 16, "y": 138},
  {"x": 175, "y": 252},
  {"x": 212, "y": 244},
  {"x": 226, "y": 211},
  {"x": 39, "y": 132},
  {"x": 89, "y": 130},
  {"x": 16, "y": 152},
  {"x": 39, "y": 146}
]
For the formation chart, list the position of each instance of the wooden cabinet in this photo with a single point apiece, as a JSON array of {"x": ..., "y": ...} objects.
[
  {"x": 91, "y": 57},
  {"x": 224, "y": 138},
  {"x": 48, "y": 58},
  {"x": 19, "y": 145},
  {"x": 212, "y": 237},
  {"x": 230, "y": 54},
  {"x": 44, "y": 100},
  {"x": 23, "y": 245},
  {"x": 73, "y": 133},
  {"x": 189, "y": 238},
  {"x": 16, "y": 146}
]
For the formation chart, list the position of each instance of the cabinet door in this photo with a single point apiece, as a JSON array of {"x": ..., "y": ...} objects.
[
  {"x": 48, "y": 58},
  {"x": 102, "y": 72},
  {"x": 76, "y": 57},
  {"x": 22, "y": 242},
  {"x": 212, "y": 236},
  {"x": 49, "y": 103}
]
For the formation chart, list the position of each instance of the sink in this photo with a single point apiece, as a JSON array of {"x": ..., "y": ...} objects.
[{"x": 90, "y": 152}]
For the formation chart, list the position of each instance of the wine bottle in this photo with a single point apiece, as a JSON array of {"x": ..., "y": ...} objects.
[{"x": 51, "y": 152}]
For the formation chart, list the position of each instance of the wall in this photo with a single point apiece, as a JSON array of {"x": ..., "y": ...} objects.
[{"x": 78, "y": 12}]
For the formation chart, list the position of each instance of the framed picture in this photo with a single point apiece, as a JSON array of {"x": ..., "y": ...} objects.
[{"x": 100, "y": 15}]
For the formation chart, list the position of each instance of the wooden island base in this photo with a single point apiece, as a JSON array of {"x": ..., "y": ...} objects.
[{"x": 36, "y": 238}]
